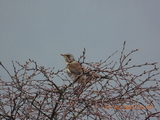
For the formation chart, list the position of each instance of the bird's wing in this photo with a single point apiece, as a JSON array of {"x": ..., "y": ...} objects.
[
  {"x": 89, "y": 71},
  {"x": 75, "y": 68}
]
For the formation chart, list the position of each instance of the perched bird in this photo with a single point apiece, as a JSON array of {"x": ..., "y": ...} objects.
[{"x": 76, "y": 71}]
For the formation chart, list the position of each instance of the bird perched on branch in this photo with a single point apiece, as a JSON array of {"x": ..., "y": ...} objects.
[{"x": 76, "y": 71}]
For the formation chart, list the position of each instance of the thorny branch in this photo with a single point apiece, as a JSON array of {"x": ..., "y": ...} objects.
[{"x": 33, "y": 92}]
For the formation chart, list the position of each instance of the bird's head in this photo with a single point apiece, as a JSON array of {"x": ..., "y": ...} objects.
[{"x": 68, "y": 57}]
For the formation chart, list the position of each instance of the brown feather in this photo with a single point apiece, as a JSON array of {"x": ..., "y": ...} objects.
[{"x": 75, "y": 68}]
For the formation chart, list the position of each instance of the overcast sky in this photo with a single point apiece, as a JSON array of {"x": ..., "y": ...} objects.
[{"x": 43, "y": 29}]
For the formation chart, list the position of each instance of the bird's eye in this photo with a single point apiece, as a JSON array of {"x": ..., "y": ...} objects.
[{"x": 68, "y": 56}]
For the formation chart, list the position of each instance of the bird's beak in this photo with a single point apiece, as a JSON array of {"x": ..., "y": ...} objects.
[{"x": 63, "y": 55}]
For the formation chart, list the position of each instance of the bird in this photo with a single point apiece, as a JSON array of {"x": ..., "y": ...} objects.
[{"x": 76, "y": 71}]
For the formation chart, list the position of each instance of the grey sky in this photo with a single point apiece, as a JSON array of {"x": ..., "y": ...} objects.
[{"x": 43, "y": 29}]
